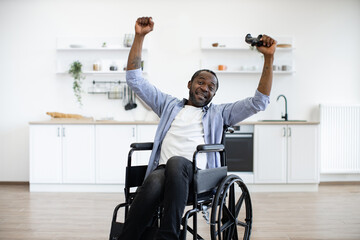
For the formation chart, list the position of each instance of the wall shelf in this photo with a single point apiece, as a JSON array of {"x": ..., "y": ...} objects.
[
  {"x": 90, "y": 53},
  {"x": 102, "y": 73},
  {"x": 240, "y": 49},
  {"x": 253, "y": 72},
  {"x": 96, "y": 49},
  {"x": 239, "y": 58}
]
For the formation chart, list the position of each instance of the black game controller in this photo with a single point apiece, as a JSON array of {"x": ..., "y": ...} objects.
[{"x": 253, "y": 41}]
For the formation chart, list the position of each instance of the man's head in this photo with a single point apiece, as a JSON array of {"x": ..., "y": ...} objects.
[{"x": 202, "y": 87}]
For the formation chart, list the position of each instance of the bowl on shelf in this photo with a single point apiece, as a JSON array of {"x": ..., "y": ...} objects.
[{"x": 76, "y": 46}]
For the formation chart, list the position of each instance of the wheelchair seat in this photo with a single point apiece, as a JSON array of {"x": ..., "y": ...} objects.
[{"x": 211, "y": 188}]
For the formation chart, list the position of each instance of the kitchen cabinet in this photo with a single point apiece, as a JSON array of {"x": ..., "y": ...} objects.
[
  {"x": 270, "y": 150},
  {"x": 78, "y": 153},
  {"x": 93, "y": 156},
  {"x": 303, "y": 159},
  {"x": 62, "y": 154},
  {"x": 112, "y": 147},
  {"x": 286, "y": 154},
  {"x": 239, "y": 58},
  {"x": 45, "y": 154}
]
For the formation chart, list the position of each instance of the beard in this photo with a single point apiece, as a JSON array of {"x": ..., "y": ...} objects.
[{"x": 198, "y": 101}]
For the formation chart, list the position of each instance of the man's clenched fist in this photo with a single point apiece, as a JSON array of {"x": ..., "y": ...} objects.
[{"x": 144, "y": 25}]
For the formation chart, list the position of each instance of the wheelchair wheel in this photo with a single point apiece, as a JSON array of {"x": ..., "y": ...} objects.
[{"x": 231, "y": 214}]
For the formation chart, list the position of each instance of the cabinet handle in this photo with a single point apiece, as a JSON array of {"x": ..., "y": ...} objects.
[
  {"x": 133, "y": 132},
  {"x": 58, "y": 132},
  {"x": 289, "y": 134},
  {"x": 63, "y": 132},
  {"x": 284, "y": 132}
]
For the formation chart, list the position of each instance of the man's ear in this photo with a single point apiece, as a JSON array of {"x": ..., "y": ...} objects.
[{"x": 189, "y": 84}]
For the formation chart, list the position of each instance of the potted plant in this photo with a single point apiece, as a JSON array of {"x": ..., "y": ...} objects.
[{"x": 77, "y": 74}]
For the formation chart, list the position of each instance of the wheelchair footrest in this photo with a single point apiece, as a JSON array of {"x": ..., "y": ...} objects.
[{"x": 116, "y": 230}]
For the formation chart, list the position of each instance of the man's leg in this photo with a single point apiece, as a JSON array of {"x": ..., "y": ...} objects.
[
  {"x": 142, "y": 209},
  {"x": 178, "y": 177}
]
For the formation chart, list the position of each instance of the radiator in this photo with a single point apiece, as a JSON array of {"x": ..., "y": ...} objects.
[{"x": 340, "y": 139}]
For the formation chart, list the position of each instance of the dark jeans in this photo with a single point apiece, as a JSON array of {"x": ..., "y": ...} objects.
[{"x": 168, "y": 185}]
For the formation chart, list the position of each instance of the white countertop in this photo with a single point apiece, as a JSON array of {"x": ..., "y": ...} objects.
[{"x": 114, "y": 122}]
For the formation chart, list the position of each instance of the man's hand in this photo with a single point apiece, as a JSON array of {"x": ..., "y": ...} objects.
[
  {"x": 268, "y": 49},
  {"x": 269, "y": 46},
  {"x": 144, "y": 25}
]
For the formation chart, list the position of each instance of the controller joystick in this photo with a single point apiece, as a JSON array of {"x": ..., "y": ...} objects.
[{"x": 254, "y": 41}]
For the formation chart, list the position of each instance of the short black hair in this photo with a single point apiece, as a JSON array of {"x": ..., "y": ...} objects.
[{"x": 205, "y": 70}]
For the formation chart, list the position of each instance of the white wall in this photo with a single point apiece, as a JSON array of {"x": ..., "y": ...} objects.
[{"x": 327, "y": 57}]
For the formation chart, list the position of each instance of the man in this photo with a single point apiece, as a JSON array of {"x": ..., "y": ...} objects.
[{"x": 183, "y": 125}]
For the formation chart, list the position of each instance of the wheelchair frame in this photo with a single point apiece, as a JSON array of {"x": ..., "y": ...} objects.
[{"x": 212, "y": 188}]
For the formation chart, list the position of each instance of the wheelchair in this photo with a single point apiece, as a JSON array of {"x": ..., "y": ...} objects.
[{"x": 226, "y": 195}]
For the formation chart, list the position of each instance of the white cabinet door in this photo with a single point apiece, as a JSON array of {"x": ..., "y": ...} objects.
[
  {"x": 78, "y": 153},
  {"x": 303, "y": 154},
  {"x": 45, "y": 154},
  {"x": 112, "y": 147},
  {"x": 270, "y": 154},
  {"x": 145, "y": 133}
]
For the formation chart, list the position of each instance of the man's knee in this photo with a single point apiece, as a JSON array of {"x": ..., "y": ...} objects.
[
  {"x": 154, "y": 183},
  {"x": 178, "y": 166}
]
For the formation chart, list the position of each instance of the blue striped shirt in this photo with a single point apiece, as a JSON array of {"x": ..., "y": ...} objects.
[{"x": 215, "y": 115}]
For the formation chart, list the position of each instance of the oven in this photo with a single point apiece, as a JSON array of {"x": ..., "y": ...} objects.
[{"x": 239, "y": 147}]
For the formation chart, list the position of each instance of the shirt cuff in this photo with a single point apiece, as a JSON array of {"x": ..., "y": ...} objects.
[
  {"x": 134, "y": 73},
  {"x": 261, "y": 95}
]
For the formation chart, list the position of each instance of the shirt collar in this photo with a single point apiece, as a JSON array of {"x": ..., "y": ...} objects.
[{"x": 204, "y": 108}]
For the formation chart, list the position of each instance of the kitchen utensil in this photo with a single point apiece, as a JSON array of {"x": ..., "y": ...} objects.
[
  {"x": 115, "y": 92},
  {"x": 134, "y": 100},
  {"x": 124, "y": 98},
  {"x": 131, "y": 104}
]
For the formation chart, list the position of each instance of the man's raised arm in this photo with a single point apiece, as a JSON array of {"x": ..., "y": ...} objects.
[
  {"x": 143, "y": 26},
  {"x": 268, "y": 49}
]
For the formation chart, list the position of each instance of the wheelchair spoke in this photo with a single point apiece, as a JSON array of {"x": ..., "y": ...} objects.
[
  {"x": 239, "y": 204},
  {"x": 227, "y": 218},
  {"x": 228, "y": 214},
  {"x": 242, "y": 224},
  {"x": 225, "y": 226},
  {"x": 231, "y": 220},
  {"x": 235, "y": 235}
]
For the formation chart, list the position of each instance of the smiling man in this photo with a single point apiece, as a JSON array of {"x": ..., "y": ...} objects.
[{"x": 183, "y": 125}]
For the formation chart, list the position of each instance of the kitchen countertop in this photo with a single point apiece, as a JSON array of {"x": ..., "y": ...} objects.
[{"x": 114, "y": 122}]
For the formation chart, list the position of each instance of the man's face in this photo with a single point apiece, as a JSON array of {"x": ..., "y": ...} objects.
[{"x": 202, "y": 89}]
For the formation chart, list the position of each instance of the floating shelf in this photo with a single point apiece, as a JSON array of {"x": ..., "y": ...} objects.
[
  {"x": 101, "y": 72},
  {"x": 252, "y": 72},
  {"x": 97, "y": 49},
  {"x": 240, "y": 49}
]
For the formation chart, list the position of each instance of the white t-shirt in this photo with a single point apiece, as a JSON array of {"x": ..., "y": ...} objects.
[{"x": 185, "y": 133}]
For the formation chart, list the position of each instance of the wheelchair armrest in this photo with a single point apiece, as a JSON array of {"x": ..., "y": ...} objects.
[
  {"x": 142, "y": 146},
  {"x": 210, "y": 148},
  {"x": 138, "y": 147}
]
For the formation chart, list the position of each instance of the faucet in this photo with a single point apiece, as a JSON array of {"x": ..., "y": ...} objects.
[{"x": 286, "y": 115}]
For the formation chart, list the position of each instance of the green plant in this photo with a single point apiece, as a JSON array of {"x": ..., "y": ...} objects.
[{"x": 77, "y": 74}]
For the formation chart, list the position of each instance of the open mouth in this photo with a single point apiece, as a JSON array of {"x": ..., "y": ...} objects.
[{"x": 201, "y": 96}]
